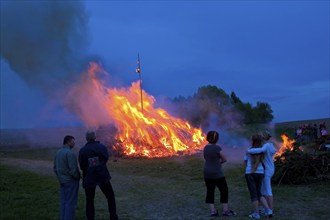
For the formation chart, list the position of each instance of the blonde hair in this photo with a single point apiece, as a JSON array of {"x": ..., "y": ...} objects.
[{"x": 257, "y": 140}]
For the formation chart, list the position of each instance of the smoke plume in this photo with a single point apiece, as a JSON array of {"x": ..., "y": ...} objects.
[{"x": 44, "y": 41}]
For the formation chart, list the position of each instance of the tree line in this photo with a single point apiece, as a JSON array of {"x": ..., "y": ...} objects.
[{"x": 211, "y": 105}]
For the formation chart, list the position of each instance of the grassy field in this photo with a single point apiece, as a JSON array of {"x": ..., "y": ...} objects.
[{"x": 146, "y": 189}]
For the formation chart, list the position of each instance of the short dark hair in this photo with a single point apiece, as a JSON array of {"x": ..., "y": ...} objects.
[
  {"x": 67, "y": 139},
  {"x": 90, "y": 136},
  {"x": 212, "y": 137}
]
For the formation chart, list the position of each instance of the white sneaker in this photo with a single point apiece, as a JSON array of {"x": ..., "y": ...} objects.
[
  {"x": 254, "y": 215},
  {"x": 268, "y": 213},
  {"x": 262, "y": 210}
]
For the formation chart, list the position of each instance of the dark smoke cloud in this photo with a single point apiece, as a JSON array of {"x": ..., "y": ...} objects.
[{"x": 44, "y": 42}]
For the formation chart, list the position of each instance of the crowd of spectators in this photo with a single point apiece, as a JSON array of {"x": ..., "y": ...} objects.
[{"x": 310, "y": 132}]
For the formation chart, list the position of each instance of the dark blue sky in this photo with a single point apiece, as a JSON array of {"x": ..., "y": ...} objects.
[{"x": 269, "y": 51}]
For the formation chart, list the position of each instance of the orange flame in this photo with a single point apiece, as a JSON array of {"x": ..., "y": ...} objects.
[
  {"x": 287, "y": 144},
  {"x": 151, "y": 133}
]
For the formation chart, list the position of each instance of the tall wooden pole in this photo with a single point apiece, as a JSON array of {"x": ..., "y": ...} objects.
[{"x": 138, "y": 70}]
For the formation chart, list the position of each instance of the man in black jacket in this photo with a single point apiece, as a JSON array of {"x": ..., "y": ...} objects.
[{"x": 93, "y": 159}]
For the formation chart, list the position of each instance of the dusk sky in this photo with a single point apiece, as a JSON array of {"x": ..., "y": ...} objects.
[{"x": 268, "y": 51}]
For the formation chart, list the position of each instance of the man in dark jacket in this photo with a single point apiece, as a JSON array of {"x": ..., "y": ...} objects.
[{"x": 93, "y": 159}]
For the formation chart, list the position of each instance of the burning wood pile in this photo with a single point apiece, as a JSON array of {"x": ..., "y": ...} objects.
[
  {"x": 294, "y": 166},
  {"x": 140, "y": 147},
  {"x": 135, "y": 131}
]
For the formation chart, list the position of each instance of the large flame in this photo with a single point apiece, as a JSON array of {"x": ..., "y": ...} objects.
[
  {"x": 152, "y": 132},
  {"x": 287, "y": 145}
]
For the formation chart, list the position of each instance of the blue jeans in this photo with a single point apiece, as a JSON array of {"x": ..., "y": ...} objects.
[{"x": 69, "y": 200}]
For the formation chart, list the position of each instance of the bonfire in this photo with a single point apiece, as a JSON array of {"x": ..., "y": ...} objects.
[
  {"x": 152, "y": 132},
  {"x": 294, "y": 166}
]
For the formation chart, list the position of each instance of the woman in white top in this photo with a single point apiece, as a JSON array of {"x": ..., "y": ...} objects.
[
  {"x": 269, "y": 150},
  {"x": 254, "y": 175}
]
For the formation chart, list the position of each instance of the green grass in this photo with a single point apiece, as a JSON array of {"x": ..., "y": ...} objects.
[
  {"x": 148, "y": 189},
  {"x": 27, "y": 195}
]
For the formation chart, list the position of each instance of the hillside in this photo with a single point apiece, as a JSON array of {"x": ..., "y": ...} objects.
[{"x": 293, "y": 124}]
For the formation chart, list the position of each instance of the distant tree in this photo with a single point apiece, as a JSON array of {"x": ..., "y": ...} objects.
[
  {"x": 263, "y": 112},
  {"x": 211, "y": 104},
  {"x": 212, "y": 93},
  {"x": 234, "y": 98},
  {"x": 248, "y": 111}
]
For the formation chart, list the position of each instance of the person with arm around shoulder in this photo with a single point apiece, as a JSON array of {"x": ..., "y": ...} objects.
[
  {"x": 214, "y": 175},
  {"x": 68, "y": 175},
  {"x": 254, "y": 174},
  {"x": 269, "y": 150},
  {"x": 93, "y": 159}
]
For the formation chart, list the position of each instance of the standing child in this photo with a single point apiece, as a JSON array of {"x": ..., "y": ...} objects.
[
  {"x": 214, "y": 176},
  {"x": 254, "y": 174},
  {"x": 269, "y": 150}
]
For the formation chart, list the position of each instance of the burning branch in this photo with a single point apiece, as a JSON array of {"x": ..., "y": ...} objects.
[{"x": 293, "y": 166}]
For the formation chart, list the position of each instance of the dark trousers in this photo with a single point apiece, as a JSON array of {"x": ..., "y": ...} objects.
[
  {"x": 254, "y": 181},
  {"x": 109, "y": 194},
  {"x": 221, "y": 184}
]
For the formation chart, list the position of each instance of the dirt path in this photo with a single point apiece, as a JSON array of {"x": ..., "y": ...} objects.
[{"x": 36, "y": 166}]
